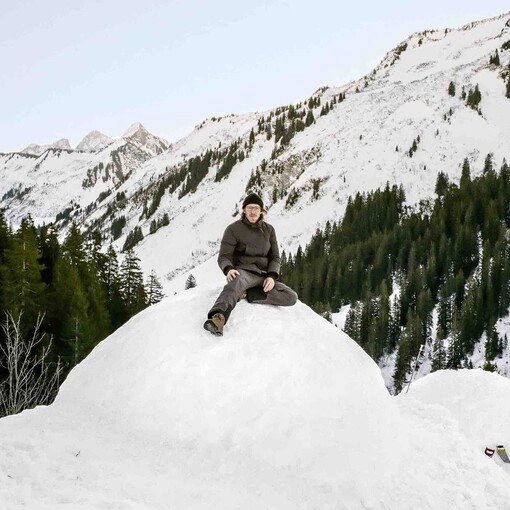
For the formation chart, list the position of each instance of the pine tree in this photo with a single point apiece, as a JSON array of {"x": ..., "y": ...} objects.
[
  {"x": 474, "y": 97},
  {"x": 74, "y": 246},
  {"x": 439, "y": 355},
  {"x": 190, "y": 282},
  {"x": 494, "y": 59},
  {"x": 68, "y": 314},
  {"x": 403, "y": 361},
  {"x": 111, "y": 280},
  {"x": 353, "y": 321},
  {"x": 50, "y": 251},
  {"x": 455, "y": 354},
  {"x": 79, "y": 308},
  {"x": 441, "y": 184},
  {"x": 488, "y": 166},
  {"x": 451, "y": 89},
  {"x": 153, "y": 289},
  {"x": 492, "y": 345},
  {"x": 309, "y": 118},
  {"x": 22, "y": 286},
  {"x": 465, "y": 178},
  {"x": 131, "y": 284}
]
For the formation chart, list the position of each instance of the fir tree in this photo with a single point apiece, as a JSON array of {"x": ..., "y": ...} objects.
[
  {"x": 439, "y": 355},
  {"x": 111, "y": 281},
  {"x": 494, "y": 59},
  {"x": 131, "y": 284},
  {"x": 153, "y": 289},
  {"x": 474, "y": 97},
  {"x": 22, "y": 286},
  {"x": 465, "y": 178},
  {"x": 309, "y": 118},
  {"x": 190, "y": 282},
  {"x": 441, "y": 184}
]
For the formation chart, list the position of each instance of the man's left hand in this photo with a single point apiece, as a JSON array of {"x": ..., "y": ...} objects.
[{"x": 268, "y": 284}]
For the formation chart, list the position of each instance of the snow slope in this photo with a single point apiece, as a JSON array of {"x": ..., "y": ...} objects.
[
  {"x": 352, "y": 149},
  {"x": 285, "y": 411}
]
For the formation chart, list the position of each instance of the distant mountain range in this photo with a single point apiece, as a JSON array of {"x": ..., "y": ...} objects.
[{"x": 91, "y": 142}]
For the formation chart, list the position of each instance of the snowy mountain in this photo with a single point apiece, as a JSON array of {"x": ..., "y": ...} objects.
[
  {"x": 94, "y": 141},
  {"x": 139, "y": 136},
  {"x": 362, "y": 143},
  {"x": 37, "y": 150},
  {"x": 285, "y": 411},
  {"x": 59, "y": 182}
]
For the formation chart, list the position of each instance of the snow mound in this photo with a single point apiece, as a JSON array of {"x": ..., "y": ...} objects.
[
  {"x": 477, "y": 400},
  {"x": 284, "y": 411},
  {"x": 274, "y": 387}
]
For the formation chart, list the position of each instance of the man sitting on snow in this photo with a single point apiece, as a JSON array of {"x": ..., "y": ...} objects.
[{"x": 250, "y": 259}]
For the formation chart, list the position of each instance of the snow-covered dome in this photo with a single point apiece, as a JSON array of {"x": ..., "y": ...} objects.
[{"x": 284, "y": 411}]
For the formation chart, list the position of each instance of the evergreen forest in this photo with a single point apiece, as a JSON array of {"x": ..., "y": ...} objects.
[
  {"x": 74, "y": 292},
  {"x": 436, "y": 274}
]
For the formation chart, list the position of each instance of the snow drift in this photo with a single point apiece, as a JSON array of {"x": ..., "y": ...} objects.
[{"x": 284, "y": 411}]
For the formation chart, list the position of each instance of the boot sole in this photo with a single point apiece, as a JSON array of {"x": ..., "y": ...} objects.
[{"x": 212, "y": 328}]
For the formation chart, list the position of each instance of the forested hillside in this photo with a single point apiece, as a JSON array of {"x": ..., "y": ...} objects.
[{"x": 436, "y": 274}]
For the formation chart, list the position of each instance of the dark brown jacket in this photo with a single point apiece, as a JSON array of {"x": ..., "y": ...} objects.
[{"x": 250, "y": 246}]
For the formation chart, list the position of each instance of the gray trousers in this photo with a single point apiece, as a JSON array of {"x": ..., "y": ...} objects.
[{"x": 279, "y": 295}]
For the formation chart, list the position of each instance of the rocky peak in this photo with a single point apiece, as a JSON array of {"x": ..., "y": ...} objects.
[
  {"x": 138, "y": 135},
  {"x": 37, "y": 149},
  {"x": 94, "y": 141}
]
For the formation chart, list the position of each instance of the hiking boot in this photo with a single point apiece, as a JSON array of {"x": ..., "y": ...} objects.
[
  {"x": 215, "y": 324},
  {"x": 255, "y": 294}
]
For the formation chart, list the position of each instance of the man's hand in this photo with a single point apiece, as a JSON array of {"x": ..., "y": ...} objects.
[
  {"x": 268, "y": 284},
  {"x": 233, "y": 273}
]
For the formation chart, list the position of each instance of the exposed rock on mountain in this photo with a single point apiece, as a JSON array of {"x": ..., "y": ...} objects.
[{"x": 94, "y": 142}]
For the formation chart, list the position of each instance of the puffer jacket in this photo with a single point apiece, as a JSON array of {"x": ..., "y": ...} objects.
[{"x": 252, "y": 247}]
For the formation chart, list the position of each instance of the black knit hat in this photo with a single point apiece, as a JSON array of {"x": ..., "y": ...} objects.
[{"x": 253, "y": 198}]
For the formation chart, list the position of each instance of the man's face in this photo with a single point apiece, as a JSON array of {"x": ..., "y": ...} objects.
[{"x": 252, "y": 212}]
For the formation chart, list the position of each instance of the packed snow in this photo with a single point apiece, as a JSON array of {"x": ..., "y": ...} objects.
[{"x": 283, "y": 411}]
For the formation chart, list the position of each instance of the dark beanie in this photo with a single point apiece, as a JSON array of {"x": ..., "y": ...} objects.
[{"x": 253, "y": 198}]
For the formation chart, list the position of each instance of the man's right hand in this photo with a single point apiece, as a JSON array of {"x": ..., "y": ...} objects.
[{"x": 233, "y": 273}]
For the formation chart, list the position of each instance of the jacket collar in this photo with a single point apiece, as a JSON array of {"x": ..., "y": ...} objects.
[{"x": 253, "y": 225}]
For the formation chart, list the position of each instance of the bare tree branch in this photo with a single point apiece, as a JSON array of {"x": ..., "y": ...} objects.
[{"x": 29, "y": 380}]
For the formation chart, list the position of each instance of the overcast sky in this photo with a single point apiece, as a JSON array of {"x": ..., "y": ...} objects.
[{"x": 71, "y": 66}]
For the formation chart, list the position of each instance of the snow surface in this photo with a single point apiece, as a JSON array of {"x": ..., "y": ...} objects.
[{"x": 285, "y": 411}]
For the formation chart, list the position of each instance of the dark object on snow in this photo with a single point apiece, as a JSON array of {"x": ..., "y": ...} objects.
[
  {"x": 489, "y": 451},
  {"x": 502, "y": 453},
  {"x": 255, "y": 294},
  {"x": 215, "y": 324},
  {"x": 253, "y": 198}
]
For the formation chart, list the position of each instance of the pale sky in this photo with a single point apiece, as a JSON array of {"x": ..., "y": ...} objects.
[{"x": 71, "y": 66}]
